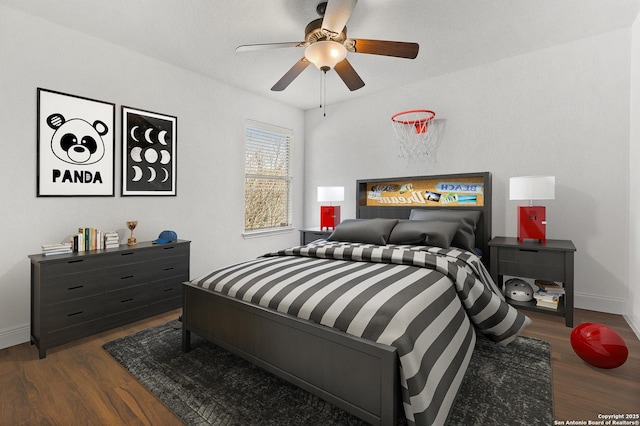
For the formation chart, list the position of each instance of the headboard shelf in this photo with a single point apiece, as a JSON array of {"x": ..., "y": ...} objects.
[{"x": 396, "y": 197}]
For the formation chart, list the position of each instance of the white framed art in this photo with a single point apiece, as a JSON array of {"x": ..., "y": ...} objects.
[{"x": 76, "y": 146}]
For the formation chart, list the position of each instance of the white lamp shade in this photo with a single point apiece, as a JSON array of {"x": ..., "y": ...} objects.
[
  {"x": 325, "y": 53},
  {"x": 330, "y": 193},
  {"x": 532, "y": 188}
]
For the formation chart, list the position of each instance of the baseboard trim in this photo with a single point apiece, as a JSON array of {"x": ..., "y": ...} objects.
[
  {"x": 600, "y": 303},
  {"x": 15, "y": 335},
  {"x": 635, "y": 325}
]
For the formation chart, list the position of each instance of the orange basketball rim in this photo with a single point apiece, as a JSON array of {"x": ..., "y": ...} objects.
[{"x": 418, "y": 118}]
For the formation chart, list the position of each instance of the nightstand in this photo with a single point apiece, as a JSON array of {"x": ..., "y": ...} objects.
[
  {"x": 312, "y": 234},
  {"x": 552, "y": 261}
]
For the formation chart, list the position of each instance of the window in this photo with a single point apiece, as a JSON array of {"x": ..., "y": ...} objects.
[{"x": 267, "y": 177}]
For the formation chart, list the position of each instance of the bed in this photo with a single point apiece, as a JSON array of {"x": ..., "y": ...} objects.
[{"x": 380, "y": 319}]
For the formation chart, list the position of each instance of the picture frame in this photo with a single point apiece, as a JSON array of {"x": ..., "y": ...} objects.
[
  {"x": 75, "y": 146},
  {"x": 149, "y": 153}
]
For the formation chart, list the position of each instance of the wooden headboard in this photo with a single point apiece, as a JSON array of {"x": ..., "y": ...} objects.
[{"x": 396, "y": 197}]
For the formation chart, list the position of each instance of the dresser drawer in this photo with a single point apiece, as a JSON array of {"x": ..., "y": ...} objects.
[
  {"x": 72, "y": 313},
  {"x": 546, "y": 265},
  {"x": 126, "y": 299},
  {"x": 164, "y": 305},
  {"x": 169, "y": 250},
  {"x": 169, "y": 267},
  {"x": 72, "y": 265},
  {"x": 64, "y": 288},
  {"x": 165, "y": 289},
  {"x": 125, "y": 257},
  {"x": 530, "y": 256},
  {"x": 127, "y": 275},
  {"x": 73, "y": 332},
  {"x": 310, "y": 236}
]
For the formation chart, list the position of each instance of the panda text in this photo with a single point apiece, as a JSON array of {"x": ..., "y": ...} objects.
[{"x": 76, "y": 176}]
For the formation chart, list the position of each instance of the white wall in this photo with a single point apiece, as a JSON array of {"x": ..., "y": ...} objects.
[
  {"x": 633, "y": 315},
  {"x": 211, "y": 116},
  {"x": 561, "y": 111}
]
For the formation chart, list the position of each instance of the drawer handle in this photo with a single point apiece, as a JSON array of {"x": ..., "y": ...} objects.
[
  {"x": 75, "y": 288},
  {"x": 127, "y": 277},
  {"x": 169, "y": 269},
  {"x": 126, "y": 300},
  {"x": 75, "y": 313},
  {"x": 168, "y": 289},
  {"x": 75, "y": 261},
  {"x": 126, "y": 254},
  {"x": 529, "y": 250},
  {"x": 169, "y": 248}
]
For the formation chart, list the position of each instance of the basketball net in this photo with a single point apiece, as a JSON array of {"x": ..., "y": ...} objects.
[{"x": 416, "y": 139}]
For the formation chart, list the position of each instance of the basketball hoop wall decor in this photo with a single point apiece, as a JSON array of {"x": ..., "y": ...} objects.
[{"x": 414, "y": 132}]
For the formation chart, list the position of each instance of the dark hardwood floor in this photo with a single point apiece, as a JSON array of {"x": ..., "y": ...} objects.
[
  {"x": 79, "y": 383},
  {"x": 580, "y": 391}
]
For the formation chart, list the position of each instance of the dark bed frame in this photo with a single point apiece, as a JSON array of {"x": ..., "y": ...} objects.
[{"x": 352, "y": 373}]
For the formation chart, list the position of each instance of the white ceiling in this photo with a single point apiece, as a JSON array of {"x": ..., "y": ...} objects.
[{"x": 201, "y": 35}]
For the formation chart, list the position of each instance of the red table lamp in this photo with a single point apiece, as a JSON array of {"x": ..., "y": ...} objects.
[
  {"x": 330, "y": 215},
  {"x": 532, "y": 220}
]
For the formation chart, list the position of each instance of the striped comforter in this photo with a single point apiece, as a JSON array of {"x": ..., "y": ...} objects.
[{"x": 425, "y": 301}]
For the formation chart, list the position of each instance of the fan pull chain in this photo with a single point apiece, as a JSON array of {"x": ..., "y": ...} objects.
[
  {"x": 321, "y": 87},
  {"x": 323, "y": 93}
]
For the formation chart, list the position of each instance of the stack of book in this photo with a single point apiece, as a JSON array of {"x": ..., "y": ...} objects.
[
  {"x": 93, "y": 239},
  {"x": 548, "y": 295},
  {"x": 88, "y": 239},
  {"x": 56, "y": 248},
  {"x": 111, "y": 239}
]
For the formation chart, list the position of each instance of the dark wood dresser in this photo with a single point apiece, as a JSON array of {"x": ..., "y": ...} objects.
[{"x": 79, "y": 294}]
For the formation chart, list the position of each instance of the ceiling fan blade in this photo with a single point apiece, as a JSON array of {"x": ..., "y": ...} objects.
[
  {"x": 399, "y": 49},
  {"x": 337, "y": 15},
  {"x": 349, "y": 75},
  {"x": 291, "y": 75},
  {"x": 265, "y": 46}
]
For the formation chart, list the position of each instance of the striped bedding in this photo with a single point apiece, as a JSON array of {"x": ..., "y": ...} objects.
[{"x": 427, "y": 302}]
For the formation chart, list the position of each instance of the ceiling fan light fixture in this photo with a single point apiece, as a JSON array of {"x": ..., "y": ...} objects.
[{"x": 325, "y": 54}]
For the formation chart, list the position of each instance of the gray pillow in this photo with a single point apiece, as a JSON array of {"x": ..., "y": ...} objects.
[
  {"x": 424, "y": 232},
  {"x": 370, "y": 231},
  {"x": 465, "y": 237}
]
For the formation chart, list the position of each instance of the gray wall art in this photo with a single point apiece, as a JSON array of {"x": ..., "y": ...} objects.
[{"x": 148, "y": 153}]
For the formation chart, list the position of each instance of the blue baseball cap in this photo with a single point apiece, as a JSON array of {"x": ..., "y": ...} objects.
[{"x": 166, "y": 237}]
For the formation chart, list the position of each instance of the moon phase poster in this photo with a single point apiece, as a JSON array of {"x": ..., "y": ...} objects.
[{"x": 148, "y": 153}]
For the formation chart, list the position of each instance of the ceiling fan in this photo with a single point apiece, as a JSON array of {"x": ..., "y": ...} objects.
[{"x": 327, "y": 45}]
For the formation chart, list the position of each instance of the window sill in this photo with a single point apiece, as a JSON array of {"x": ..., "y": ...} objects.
[{"x": 267, "y": 232}]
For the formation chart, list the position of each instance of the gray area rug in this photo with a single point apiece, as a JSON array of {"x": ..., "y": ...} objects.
[{"x": 209, "y": 386}]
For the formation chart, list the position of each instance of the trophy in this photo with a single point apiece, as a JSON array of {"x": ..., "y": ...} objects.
[{"x": 131, "y": 224}]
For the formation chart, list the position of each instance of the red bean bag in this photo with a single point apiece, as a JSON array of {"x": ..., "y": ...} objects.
[{"x": 599, "y": 345}]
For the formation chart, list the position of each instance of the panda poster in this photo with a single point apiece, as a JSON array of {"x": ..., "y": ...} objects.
[
  {"x": 148, "y": 153},
  {"x": 76, "y": 146}
]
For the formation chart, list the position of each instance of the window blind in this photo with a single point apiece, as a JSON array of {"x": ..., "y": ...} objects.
[{"x": 268, "y": 203}]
